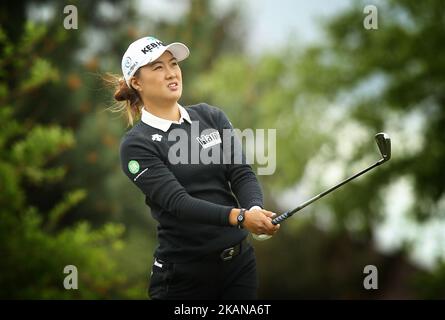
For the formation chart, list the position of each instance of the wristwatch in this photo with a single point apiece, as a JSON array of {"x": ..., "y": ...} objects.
[{"x": 240, "y": 218}]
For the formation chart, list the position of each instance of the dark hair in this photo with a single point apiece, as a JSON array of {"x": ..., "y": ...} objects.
[{"x": 128, "y": 100}]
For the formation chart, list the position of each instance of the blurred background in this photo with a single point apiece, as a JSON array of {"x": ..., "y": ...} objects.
[{"x": 308, "y": 69}]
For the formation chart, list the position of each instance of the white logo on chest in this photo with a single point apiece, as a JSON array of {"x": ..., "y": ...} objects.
[
  {"x": 156, "y": 137},
  {"x": 209, "y": 140}
]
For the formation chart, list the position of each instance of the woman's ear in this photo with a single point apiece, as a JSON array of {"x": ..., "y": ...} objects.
[{"x": 134, "y": 82}]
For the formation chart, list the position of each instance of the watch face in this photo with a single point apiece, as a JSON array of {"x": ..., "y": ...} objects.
[{"x": 240, "y": 218}]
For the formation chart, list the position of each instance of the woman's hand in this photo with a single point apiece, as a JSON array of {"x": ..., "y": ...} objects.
[{"x": 258, "y": 221}]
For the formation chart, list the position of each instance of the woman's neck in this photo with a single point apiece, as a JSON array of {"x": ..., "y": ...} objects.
[{"x": 168, "y": 111}]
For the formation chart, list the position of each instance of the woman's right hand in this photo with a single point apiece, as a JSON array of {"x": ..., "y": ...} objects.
[{"x": 258, "y": 221}]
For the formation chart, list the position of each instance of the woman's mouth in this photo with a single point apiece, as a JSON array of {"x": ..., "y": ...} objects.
[{"x": 173, "y": 86}]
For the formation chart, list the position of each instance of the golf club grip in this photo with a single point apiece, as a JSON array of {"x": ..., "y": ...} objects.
[{"x": 281, "y": 217}]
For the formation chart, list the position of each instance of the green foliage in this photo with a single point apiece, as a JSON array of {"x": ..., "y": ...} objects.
[
  {"x": 391, "y": 79},
  {"x": 358, "y": 82},
  {"x": 71, "y": 199},
  {"x": 40, "y": 72},
  {"x": 35, "y": 244},
  {"x": 38, "y": 147},
  {"x": 390, "y": 72},
  {"x": 35, "y": 259}
]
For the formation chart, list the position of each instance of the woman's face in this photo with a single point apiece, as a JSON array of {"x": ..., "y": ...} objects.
[{"x": 159, "y": 82}]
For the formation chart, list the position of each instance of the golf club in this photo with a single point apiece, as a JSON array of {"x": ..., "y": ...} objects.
[{"x": 384, "y": 145}]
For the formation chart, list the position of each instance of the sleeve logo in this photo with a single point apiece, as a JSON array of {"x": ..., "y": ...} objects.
[{"x": 133, "y": 166}]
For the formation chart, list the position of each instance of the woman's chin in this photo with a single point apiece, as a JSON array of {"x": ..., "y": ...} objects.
[{"x": 174, "y": 95}]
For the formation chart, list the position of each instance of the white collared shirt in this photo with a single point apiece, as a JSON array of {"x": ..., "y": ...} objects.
[{"x": 164, "y": 124}]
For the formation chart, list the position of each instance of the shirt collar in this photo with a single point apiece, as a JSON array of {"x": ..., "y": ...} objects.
[{"x": 164, "y": 124}]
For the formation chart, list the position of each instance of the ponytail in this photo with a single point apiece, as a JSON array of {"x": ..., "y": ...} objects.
[{"x": 127, "y": 100}]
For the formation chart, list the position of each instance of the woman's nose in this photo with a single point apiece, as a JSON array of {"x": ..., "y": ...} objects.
[{"x": 170, "y": 73}]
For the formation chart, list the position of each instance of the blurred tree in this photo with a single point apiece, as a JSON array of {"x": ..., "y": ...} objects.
[
  {"x": 34, "y": 248},
  {"x": 358, "y": 82},
  {"x": 395, "y": 82},
  {"x": 77, "y": 101},
  {"x": 320, "y": 265}
]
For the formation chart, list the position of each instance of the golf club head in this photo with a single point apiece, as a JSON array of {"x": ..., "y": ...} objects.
[{"x": 384, "y": 144}]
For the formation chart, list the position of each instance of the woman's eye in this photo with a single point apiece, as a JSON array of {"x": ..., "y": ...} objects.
[{"x": 158, "y": 67}]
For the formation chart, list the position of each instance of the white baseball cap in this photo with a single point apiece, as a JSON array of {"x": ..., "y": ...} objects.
[{"x": 146, "y": 50}]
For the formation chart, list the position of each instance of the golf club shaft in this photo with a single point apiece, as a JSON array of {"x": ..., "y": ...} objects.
[{"x": 288, "y": 214}]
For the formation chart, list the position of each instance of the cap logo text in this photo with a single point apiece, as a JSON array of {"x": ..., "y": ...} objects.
[{"x": 149, "y": 47}]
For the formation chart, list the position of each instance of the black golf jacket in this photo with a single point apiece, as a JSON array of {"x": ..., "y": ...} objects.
[{"x": 192, "y": 199}]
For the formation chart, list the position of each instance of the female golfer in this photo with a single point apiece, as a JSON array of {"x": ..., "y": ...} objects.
[{"x": 204, "y": 209}]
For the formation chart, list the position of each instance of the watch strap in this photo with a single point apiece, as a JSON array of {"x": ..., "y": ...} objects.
[{"x": 240, "y": 218}]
